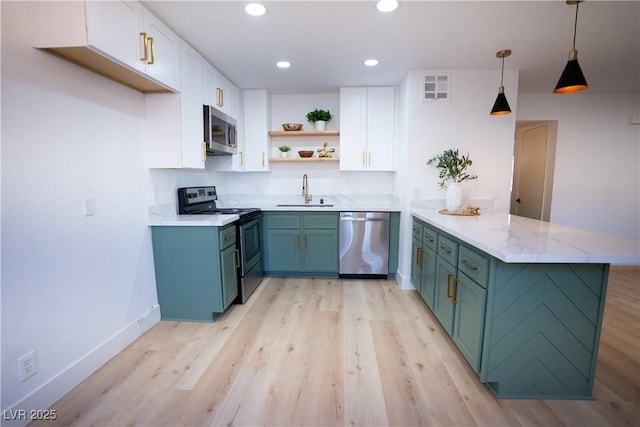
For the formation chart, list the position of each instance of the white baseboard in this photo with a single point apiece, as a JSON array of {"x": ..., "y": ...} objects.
[
  {"x": 404, "y": 282},
  {"x": 51, "y": 391}
]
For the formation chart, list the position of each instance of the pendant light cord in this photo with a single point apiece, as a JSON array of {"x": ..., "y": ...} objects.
[
  {"x": 575, "y": 26},
  {"x": 502, "y": 72}
]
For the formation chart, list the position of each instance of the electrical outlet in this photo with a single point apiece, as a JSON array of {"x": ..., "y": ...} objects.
[
  {"x": 27, "y": 365},
  {"x": 89, "y": 205}
]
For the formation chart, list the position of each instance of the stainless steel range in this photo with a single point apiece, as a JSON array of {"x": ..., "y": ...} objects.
[{"x": 202, "y": 201}]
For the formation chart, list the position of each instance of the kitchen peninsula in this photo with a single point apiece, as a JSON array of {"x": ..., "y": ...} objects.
[{"x": 523, "y": 300}]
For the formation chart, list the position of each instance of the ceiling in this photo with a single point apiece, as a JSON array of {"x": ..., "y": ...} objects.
[{"x": 327, "y": 41}]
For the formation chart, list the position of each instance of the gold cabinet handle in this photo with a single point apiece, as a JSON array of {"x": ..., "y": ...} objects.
[
  {"x": 429, "y": 238},
  {"x": 237, "y": 257},
  {"x": 369, "y": 158},
  {"x": 143, "y": 35},
  {"x": 469, "y": 265},
  {"x": 263, "y": 158},
  {"x": 204, "y": 151},
  {"x": 222, "y": 97},
  {"x": 454, "y": 297},
  {"x": 297, "y": 241},
  {"x": 419, "y": 257},
  {"x": 363, "y": 158},
  {"x": 449, "y": 276},
  {"x": 153, "y": 52},
  {"x": 241, "y": 158},
  {"x": 445, "y": 250}
]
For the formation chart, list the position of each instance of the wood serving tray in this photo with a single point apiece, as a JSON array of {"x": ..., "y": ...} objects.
[{"x": 469, "y": 211}]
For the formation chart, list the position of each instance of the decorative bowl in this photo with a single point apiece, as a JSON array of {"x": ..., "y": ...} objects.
[
  {"x": 305, "y": 153},
  {"x": 291, "y": 126}
]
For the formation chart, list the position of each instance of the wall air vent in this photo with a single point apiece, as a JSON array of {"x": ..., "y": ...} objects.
[{"x": 435, "y": 87}]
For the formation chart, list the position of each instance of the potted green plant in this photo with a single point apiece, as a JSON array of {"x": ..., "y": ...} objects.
[
  {"x": 320, "y": 117},
  {"x": 284, "y": 150},
  {"x": 453, "y": 170}
]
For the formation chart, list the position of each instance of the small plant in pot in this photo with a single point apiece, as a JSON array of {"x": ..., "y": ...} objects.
[
  {"x": 453, "y": 170},
  {"x": 319, "y": 117},
  {"x": 284, "y": 150}
]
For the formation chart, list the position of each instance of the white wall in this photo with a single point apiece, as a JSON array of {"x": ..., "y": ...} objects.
[
  {"x": 73, "y": 286},
  {"x": 597, "y": 172},
  {"x": 462, "y": 122}
]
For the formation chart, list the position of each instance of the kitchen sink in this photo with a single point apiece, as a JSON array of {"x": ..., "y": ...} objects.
[{"x": 305, "y": 205}]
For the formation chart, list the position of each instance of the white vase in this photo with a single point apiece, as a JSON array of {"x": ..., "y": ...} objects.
[
  {"x": 453, "y": 198},
  {"x": 321, "y": 124},
  {"x": 284, "y": 154}
]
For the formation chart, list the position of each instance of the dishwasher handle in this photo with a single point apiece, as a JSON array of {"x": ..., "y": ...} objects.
[{"x": 349, "y": 218}]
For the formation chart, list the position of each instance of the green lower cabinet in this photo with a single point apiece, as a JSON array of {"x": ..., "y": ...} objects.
[
  {"x": 195, "y": 271},
  {"x": 428, "y": 281},
  {"x": 301, "y": 244},
  {"x": 443, "y": 307},
  {"x": 468, "y": 323},
  {"x": 530, "y": 331}
]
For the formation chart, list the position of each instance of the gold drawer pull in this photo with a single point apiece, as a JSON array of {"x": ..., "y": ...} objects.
[
  {"x": 429, "y": 238},
  {"x": 419, "y": 257},
  {"x": 445, "y": 250},
  {"x": 469, "y": 266},
  {"x": 449, "y": 276}
]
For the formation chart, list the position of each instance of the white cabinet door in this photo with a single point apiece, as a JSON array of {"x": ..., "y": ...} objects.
[
  {"x": 219, "y": 92},
  {"x": 367, "y": 117},
  {"x": 163, "y": 52},
  {"x": 113, "y": 28},
  {"x": 255, "y": 127},
  {"x": 380, "y": 128},
  {"x": 174, "y": 121}
]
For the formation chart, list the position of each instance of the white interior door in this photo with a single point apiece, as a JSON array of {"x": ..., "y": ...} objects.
[{"x": 534, "y": 156}]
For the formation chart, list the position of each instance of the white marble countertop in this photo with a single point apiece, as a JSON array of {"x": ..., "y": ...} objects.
[
  {"x": 517, "y": 239},
  {"x": 166, "y": 214}
]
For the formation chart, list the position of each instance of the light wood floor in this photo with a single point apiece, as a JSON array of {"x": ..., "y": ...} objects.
[{"x": 320, "y": 352}]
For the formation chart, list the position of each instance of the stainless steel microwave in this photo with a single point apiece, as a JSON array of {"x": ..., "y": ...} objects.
[{"x": 220, "y": 132}]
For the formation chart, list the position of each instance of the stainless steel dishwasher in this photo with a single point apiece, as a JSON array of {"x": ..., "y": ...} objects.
[{"x": 364, "y": 244}]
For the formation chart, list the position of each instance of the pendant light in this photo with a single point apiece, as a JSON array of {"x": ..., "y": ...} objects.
[
  {"x": 572, "y": 79},
  {"x": 501, "y": 106}
]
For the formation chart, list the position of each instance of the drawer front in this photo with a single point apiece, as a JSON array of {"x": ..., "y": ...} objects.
[
  {"x": 474, "y": 265},
  {"x": 416, "y": 229},
  {"x": 430, "y": 238},
  {"x": 288, "y": 221},
  {"x": 227, "y": 236},
  {"x": 448, "y": 250},
  {"x": 321, "y": 220}
]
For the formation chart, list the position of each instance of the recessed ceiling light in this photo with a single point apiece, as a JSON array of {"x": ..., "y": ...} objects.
[
  {"x": 283, "y": 64},
  {"x": 255, "y": 9},
  {"x": 371, "y": 62},
  {"x": 387, "y": 5}
]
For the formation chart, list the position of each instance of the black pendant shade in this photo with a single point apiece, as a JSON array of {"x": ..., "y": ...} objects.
[
  {"x": 501, "y": 106},
  {"x": 572, "y": 80}
]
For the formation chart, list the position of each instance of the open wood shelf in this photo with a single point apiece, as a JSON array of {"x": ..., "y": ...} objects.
[
  {"x": 304, "y": 133},
  {"x": 303, "y": 159}
]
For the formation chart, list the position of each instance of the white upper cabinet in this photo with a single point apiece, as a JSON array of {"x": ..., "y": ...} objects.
[
  {"x": 367, "y": 119},
  {"x": 175, "y": 135},
  {"x": 254, "y": 152},
  {"x": 219, "y": 92},
  {"x": 121, "y": 40}
]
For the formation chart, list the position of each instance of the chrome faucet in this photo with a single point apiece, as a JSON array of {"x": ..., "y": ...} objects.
[{"x": 305, "y": 189}]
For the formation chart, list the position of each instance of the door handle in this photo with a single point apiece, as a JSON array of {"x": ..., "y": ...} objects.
[
  {"x": 449, "y": 276},
  {"x": 143, "y": 35},
  {"x": 153, "y": 52},
  {"x": 419, "y": 257},
  {"x": 454, "y": 298}
]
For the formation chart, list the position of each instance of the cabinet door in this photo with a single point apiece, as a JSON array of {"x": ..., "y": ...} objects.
[
  {"x": 163, "y": 54},
  {"x": 255, "y": 128},
  {"x": 113, "y": 27},
  {"x": 283, "y": 249},
  {"x": 442, "y": 303},
  {"x": 228, "y": 275},
  {"x": 380, "y": 128},
  {"x": 353, "y": 128},
  {"x": 320, "y": 251},
  {"x": 468, "y": 326},
  {"x": 416, "y": 264},
  {"x": 191, "y": 108},
  {"x": 428, "y": 282}
]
